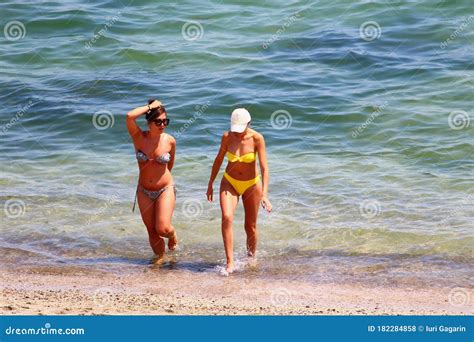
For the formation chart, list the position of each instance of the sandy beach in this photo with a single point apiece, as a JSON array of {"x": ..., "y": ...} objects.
[{"x": 80, "y": 291}]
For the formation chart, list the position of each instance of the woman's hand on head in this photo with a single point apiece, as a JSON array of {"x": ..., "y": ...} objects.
[
  {"x": 155, "y": 104},
  {"x": 266, "y": 204}
]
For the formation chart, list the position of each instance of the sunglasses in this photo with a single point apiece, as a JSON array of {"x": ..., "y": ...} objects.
[{"x": 160, "y": 122}]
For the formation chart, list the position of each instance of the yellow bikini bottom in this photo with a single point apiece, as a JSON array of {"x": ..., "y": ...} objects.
[{"x": 241, "y": 186}]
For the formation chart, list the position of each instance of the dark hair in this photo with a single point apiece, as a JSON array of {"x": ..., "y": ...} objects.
[{"x": 154, "y": 112}]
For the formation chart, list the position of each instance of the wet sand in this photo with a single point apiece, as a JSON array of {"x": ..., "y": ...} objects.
[{"x": 81, "y": 291}]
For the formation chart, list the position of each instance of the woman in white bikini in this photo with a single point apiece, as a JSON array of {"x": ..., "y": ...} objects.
[
  {"x": 156, "y": 193},
  {"x": 241, "y": 145}
]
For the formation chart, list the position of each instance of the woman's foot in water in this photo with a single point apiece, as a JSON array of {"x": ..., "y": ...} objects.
[
  {"x": 252, "y": 262},
  {"x": 158, "y": 247},
  {"x": 158, "y": 259},
  {"x": 230, "y": 267},
  {"x": 173, "y": 242}
]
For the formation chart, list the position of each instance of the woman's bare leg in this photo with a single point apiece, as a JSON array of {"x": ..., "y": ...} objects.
[
  {"x": 147, "y": 210},
  {"x": 164, "y": 212},
  {"x": 228, "y": 199},
  {"x": 251, "y": 200}
]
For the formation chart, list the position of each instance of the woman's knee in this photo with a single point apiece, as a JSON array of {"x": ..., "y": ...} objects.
[
  {"x": 227, "y": 217},
  {"x": 164, "y": 229},
  {"x": 251, "y": 227}
]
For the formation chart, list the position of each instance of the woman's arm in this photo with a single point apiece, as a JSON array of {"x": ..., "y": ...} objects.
[
  {"x": 132, "y": 126},
  {"x": 172, "y": 153},
  {"x": 262, "y": 157},
  {"x": 217, "y": 165}
]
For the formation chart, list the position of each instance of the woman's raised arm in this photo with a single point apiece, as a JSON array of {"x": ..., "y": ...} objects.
[{"x": 132, "y": 126}]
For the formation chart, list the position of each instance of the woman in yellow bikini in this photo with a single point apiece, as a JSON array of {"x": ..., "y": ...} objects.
[{"x": 241, "y": 145}]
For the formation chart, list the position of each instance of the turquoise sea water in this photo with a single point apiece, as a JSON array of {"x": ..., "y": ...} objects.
[{"x": 366, "y": 108}]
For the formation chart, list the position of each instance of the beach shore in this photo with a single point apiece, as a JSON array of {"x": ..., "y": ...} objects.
[{"x": 81, "y": 291}]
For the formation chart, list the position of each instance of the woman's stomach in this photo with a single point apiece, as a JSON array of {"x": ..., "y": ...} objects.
[
  {"x": 154, "y": 177},
  {"x": 242, "y": 171}
]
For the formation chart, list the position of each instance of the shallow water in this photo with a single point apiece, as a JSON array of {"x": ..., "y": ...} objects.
[{"x": 369, "y": 133}]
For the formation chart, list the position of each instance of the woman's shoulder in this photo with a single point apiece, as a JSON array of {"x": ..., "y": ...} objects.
[
  {"x": 256, "y": 135},
  {"x": 170, "y": 138},
  {"x": 225, "y": 135}
]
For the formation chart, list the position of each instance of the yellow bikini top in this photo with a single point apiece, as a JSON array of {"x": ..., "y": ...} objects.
[{"x": 246, "y": 158}]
